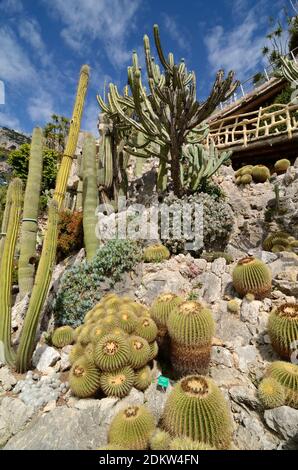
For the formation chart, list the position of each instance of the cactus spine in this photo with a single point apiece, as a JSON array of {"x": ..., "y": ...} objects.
[
  {"x": 30, "y": 214},
  {"x": 15, "y": 192},
  {"x": 75, "y": 123},
  {"x": 40, "y": 290},
  {"x": 90, "y": 196}
]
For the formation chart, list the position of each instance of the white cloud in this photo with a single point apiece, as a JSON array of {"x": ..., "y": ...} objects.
[
  {"x": 239, "y": 49},
  {"x": 173, "y": 30},
  {"x": 6, "y": 120},
  {"x": 11, "y": 6},
  {"x": 41, "y": 107},
  {"x": 29, "y": 30},
  {"x": 15, "y": 66},
  {"x": 90, "y": 118},
  {"x": 107, "y": 20}
]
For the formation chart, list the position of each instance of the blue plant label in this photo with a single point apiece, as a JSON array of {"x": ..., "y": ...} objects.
[{"x": 163, "y": 381}]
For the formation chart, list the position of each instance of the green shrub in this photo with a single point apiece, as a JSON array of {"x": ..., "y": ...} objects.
[{"x": 80, "y": 285}]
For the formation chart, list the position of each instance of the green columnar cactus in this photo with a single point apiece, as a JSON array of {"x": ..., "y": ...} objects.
[
  {"x": 281, "y": 166},
  {"x": 6, "y": 266},
  {"x": 191, "y": 328},
  {"x": 260, "y": 173},
  {"x": 197, "y": 409},
  {"x": 131, "y": 428},
  {"x": 62, "y": 336},
  {"x": 90, "y": 196},
  {"x": 252, "y": 276},
  {"x": 40, "y": 290},
  {"x": 283, "y": 329},
  {"x": 5, "y": 220},
  {"x": 287, "y": 375},
  {"x": 271, "y": 393},
  {"x": 30, "y": 214},
  {"x": 79, "y": 200}
]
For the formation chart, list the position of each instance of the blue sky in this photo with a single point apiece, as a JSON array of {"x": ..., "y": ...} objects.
[{"x": 43, "y": 44}]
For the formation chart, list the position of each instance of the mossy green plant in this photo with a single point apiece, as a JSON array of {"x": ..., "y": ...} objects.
[
  {"x": 84, "y": 378},
  {"x": 271, "y": 393},
  {"x": 191, "y": 328},
  {"x": 143, "y": 378},
  {"x": 139, "y": 351},
  {"x": 197, "y": 409},
  {"x": 252, "y": 276},
  {"x": 111, "y": 353},
  {"x": 118, "y": 383},
  {"x": 62, "y": 336},
  {"x": 132, "y": 428},
  {"x": 287, "y": 375},
  {"x": 283, "y": 329},
  {"x": 156, "y": 254}
]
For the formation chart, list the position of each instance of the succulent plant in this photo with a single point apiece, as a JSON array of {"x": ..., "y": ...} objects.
[
  {"x": 252, "y": 276},
  {"x": 196, "y": 408},
  {"x": 260, "y": 174},
  {"x": 84, "y": 378},
  {"x": 146, "y": 328},
  {"x": 143, "y": 378},
  {"x": 110, "y": 321},
  {"x": 89, "y": 352},
  {"x": 287, "y": 375},
  {"x": 154, "y": 350},
  {"x": 271, "y": 393},
  {"x": 111, "y": 353},
  {"x": 132, "y": 428},
  {"x": 277, "y": 240},
  {"x": 139, "y": 351},
  {"x": 162, "y": 306},
  {"x": 245, "y": 170},
  {"x": 185, "y": 443},
  {"x": 233, "y": 305},
  {"x": 62, "y": 336},
  {"x": 283, "y": 329},
  {"x": 127, "y": 319},
  {"x": 76, "y": 352},
  {"x": 98, "y": 331},
  {"x": 281, "y": 166},
  {"x": 213, "y": 255},
  {"x": 246, "y": 179},
  {"x": 117, "y": 383},
  {"x": 191, "y": 328},
  {"x": 84, "y": 335},
  {"x": 160, "y": 440},
  {"x": 156, "y": 254}
]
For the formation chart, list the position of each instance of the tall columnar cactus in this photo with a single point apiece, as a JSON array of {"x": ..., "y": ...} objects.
[
  {"x": 6, "y": 266},
  {"x": 30, "y": 214},
  {"x": 90, "y": 196},
  {"x": 74, "y": 129},
  {"x": 5, "y": 219},
  {"x": 79, "y": 200},
  {"x": 40, "y": 290}
]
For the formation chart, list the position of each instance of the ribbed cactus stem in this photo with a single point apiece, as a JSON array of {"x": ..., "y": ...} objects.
[
  {"x": 40, "y": 290},
  {"x": 74, "y": 129},
  {"x": 6, "y": 266},
  {"x": 30, "y": 215},
  {"x": 5, "y": 219},
  {"x": 79, "y": 201},
  {"x": 90, "y": 196}
]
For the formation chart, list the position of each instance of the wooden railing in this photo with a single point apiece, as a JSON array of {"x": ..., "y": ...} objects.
[{"x": 241, "y": 130}]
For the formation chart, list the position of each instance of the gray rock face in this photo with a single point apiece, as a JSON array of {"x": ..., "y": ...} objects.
[
  {"x": 283, "y": 420},
  {"x": 250, "y": 433},
  {"x": 14, "y": 415},
  {"x": 247, "y": 355},
  {"x": 223, "y": 356},
  {"x": 45, "y": 357},
  {"x": 155, "y": 400},
  {"x": 7, "y": 379}
]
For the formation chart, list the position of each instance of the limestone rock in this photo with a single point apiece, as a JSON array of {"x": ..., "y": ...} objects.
[
  {"x": 284, "y": 421},
  {"x": 7, "y": 379},
  {"x": 45, "y": 357},
  {"x": 14, "y": 416}
]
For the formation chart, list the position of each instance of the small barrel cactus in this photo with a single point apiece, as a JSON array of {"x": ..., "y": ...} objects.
[
  {"x": 278, "y": 241},
  {"x": 111, "y": 353},
  {"x": 287, "y": 375},
  {"x": 283, "y": 329},
  {"x": 260, "y": 174},
  {"x": 252, "y": 276},
  {"x": 143, "y": 378},
  {"x": 154, "y": 350},
  {"x": 196, "y": 408},
  {"x": 139, "y": 351},
  {"x": 160, "y": 440},
  {"x": 131, "y": 428},
  {"x": 191, "y": 328},
  {"x": 62, "y": 336},
  {"x": 233, "y": 306},
  {"x": 76, "y": 352},
  {"x": 246, "y": 179},
  {"x": 271, "y": 393},
  {"x": 156, "y": 254},
  {"x": 281, "y": 166},
  {"x": 162, "y": 307},
  {"x": 185, "y": 443},
  {"x": 84, "y": 378},
  {"x": 127, "y": 319},
  {"x": 146, "y": 328},
  {"x": 117, "y": 383}
]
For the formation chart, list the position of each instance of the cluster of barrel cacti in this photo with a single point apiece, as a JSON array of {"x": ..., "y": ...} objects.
[
  {"x": 250, "y": 173},
  {"x": 280, "y": 241},
  {"x": 280, "y": 385},
  {"x": 113, "y": 348}
]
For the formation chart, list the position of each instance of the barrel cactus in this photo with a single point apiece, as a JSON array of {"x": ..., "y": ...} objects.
[
  {"x": 132, "y": 428},
  {"x": 111, "y": 353},
  {"x": 271, "y": 393},
  {"x": 260, "y": 174},
  {"x": 139, "y": 351},
  {"x": 185, "y": 443},
  {"x": 287, "y": 375},
  {"x": 84, "y": 378},
  {"x": 246, "y": 179},
  {"x": 252, "y": 276},
  {"x": 76, "y": 352},
  {"x": 117, "y": 383},
  {"x": 143, "y": 378},
  {"x": 191, "y": 328},
  {"x": 127, "y": 319},
  {"x": 62, "y": 336},
  {"x": 156, "y": 254},
  {"x": 278, "y": 241},
  {"x": 283, "y": 329},
  {"x": 160, "y": 440},
  {"x": 146, "y": 328},
  {"x": 281, "y": 166},
  {"x": 233, "y": 306},
  {"x": 197, "y": 409},
  {"x": 154, "y": 350}
]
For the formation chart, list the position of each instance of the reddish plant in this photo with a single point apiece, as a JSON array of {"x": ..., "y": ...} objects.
[{"x": 70, "y": 238}]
